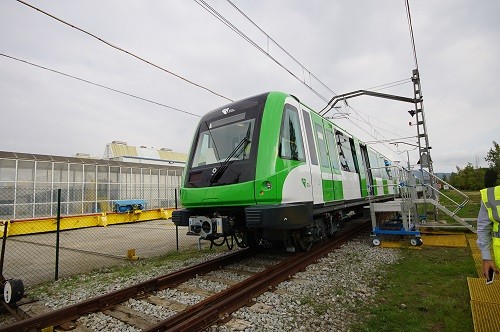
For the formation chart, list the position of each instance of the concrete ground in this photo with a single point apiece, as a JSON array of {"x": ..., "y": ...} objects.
[{"x": 32, "y": 258}]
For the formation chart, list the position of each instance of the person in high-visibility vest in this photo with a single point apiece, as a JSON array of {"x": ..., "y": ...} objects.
[{"x": 488, "y": 231}]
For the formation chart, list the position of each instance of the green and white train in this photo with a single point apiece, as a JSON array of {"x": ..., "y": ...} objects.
[{"x": 269, "y": 169}]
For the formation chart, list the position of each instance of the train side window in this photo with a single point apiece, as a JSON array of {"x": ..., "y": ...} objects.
[
  {"x": 323, "y": 153},
  {"x": 291, "y": 143},
  {"x": 332, "y": 149},
  {"x": 354, "y": 155},
  {"x": 310, "y": 138},
  {"x": 345, "y": 153},
  {"x": 374, "y": 164}
]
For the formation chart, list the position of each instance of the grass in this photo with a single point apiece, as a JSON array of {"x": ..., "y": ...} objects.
[
  {"x": 426, "y": 291},
  {"x": 469, "y": 210},
  {"x": 319, "y": 308}
]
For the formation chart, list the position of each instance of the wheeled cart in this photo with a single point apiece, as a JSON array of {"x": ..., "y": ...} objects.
[{"x": 401, "y": 225}]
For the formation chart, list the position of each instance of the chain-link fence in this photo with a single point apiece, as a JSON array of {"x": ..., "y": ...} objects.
[
  {"x": 99, "y": 226},
  {"x": 18, "y": 202}
]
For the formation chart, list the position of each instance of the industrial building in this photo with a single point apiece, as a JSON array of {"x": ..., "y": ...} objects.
[{"x": 29, "y": 183}]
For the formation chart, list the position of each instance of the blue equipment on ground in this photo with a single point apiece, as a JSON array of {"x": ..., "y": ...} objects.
[{"x": 129, "y": 205}]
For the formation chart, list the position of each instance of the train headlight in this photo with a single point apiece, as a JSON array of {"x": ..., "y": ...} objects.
[{"x": 267, "y": 185}]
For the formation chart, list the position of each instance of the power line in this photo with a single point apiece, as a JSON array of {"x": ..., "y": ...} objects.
[
  {"x": 389, "y": 85},
  {"x": 221, "y": 18},
  {"x": 387, "y": 146},
  {"x": 408, "y": 15},
  {"x": 389, "y": 140},
  {"x": 99, "y": 85},
  {"x": 226, "y": 22},
  {"x": 357, "y": 112},
  {"x": 125, "y": 51},
  {"x": 343, "y": 115},
  {"x": 283, "y": 49},
  {"x": 376, "y": 88}
]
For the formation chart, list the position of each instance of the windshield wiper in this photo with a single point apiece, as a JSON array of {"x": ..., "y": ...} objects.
[{"x": 225, "y": 164}]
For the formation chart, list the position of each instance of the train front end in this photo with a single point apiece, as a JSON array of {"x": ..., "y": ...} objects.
[{"x": 233, "y": 169}]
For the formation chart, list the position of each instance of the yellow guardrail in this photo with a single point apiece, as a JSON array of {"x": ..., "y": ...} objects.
[{"x": 43, "y": 225}]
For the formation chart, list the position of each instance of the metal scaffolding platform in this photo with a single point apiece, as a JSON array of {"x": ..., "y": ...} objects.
[
  {"x": 403, "y": 216},
  {"x": 397, "y": 217}
]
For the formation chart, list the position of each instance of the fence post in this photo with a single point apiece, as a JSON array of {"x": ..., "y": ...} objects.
[
  {"x": 4, "y": 240},
  {"x": 176, "y": 227},
  {"x": 57, "y": 232}
]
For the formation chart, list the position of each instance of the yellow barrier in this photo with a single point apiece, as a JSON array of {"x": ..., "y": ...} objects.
[{"x": 33, "y": 226}]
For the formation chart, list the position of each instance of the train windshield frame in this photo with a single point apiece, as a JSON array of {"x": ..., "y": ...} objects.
[
  {"x": 224, "y": 138},
  {"x": 224, "y": 149}
]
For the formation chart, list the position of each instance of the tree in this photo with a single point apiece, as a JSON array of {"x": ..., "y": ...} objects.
[
  {"x": 493, "y": 158},
  {"x": 468, "y": 178}
]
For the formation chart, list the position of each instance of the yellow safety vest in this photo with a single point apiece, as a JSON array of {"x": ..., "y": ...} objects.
[{"x": 491, "y": 200}]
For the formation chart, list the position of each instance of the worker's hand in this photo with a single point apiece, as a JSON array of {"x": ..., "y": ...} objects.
[{"x": 487, "y": 264}]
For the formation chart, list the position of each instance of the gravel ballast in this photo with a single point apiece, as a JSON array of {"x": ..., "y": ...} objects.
[{"x": 324, "y": 297}]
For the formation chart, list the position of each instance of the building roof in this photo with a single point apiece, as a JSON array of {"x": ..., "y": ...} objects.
[
  {"x": 122, "y": 149},
  {"x": 75, "y": 160}
]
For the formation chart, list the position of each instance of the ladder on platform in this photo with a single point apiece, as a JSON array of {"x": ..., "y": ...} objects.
[{"x": 404, "y": 210}]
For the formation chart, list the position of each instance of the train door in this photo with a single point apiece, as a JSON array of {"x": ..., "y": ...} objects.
[
  {"x": 369, "y": 177},
  {"x": 389, "y": 169},
  {"x": 360, "y": 168},
  {"x": 317, "y": 191},
  {"x": 296, "y": 174},
  {"x": 350, "y": 176},
  {"x": 378, "y": 186},
  {"x": 386, "y": 178},
  {"x": 324, "y": 159},
  {"x": 334, "y": 161}
]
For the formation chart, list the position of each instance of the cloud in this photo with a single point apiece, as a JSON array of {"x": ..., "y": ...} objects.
[{"x": 348, "y": 45}]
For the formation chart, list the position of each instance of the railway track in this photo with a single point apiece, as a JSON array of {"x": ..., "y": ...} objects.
[{"x": 213, "y": 308}]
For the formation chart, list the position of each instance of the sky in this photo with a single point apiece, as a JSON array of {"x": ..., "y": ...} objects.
[{"x": 342, "y": 45}]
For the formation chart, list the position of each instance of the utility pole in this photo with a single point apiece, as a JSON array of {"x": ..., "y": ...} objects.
[{"x": 423, "y": 138}]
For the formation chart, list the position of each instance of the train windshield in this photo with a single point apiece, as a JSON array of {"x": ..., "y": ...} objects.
[
  {"x": 224, "y": 150},
  {"x": 223, "y": 140}
]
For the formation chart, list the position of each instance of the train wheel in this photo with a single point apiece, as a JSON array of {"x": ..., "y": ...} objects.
[
  {"x": 376, "y": 241},
  {"x": 302, "y": 239}
]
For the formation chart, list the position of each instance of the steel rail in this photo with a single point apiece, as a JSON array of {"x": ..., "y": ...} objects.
[
  {"x": 219, "y": 306},
  {"x": 57, "y": 317}
]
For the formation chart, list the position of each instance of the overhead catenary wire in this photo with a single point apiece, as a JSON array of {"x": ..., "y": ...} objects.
[
  {"x": 389, "y": 140},
  {"x": 125, "y": 51},
  {"x": 378, "y": 120},
  {"x": 207, "y": 7},
  {"x": 281, "y": 48},
  {"x": 226, "y": 22},
  {"x": 389, "y": 85},
  {"x": 410, "y": 27},
  {"x": 100, "y": 85},
  {"x": 362, "y": 129},
  {"x": 230, "y": 25}
]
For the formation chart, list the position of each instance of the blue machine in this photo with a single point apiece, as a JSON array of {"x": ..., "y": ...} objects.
[{"x": 128, "y": 205}]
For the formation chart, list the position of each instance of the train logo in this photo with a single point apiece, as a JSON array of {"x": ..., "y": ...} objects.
[{"x": 227, "y": 110}]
